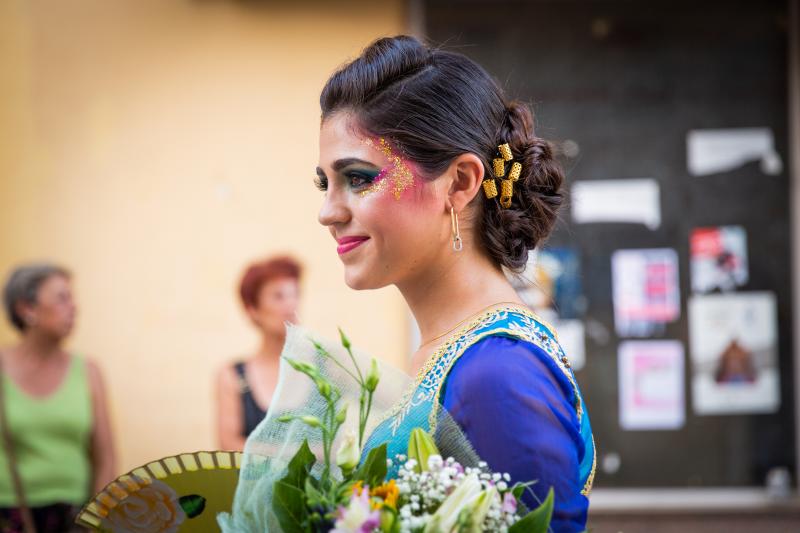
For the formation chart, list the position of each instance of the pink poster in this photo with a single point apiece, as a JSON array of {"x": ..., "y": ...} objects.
[
  {"x": 645, "y": 291},
  {"x": 651, "y": 385}
]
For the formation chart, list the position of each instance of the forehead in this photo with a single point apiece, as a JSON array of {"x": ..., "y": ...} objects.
[
  {"x": 277, "y": 284},
  {"x": 53, "y": 283},
  {"x": 340, "y": 138}
]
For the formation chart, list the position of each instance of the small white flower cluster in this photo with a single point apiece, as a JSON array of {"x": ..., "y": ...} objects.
[{"x": 422, "y": 493}]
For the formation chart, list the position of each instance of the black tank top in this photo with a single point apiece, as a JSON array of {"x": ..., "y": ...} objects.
[{"x": 253, "y": 414}]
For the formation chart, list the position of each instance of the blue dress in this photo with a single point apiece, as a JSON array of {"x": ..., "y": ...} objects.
[{"x": 506, "y": 382}]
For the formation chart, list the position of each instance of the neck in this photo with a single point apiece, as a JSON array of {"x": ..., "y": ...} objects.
[
  {"x": 462, "y": 285},
  {"x": 38, "y": 344},
  {"x": 271, "y": 346}
]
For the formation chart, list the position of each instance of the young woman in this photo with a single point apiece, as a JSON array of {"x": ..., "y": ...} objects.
[
  {"x": 434, "y": 182},
  {"x": 57, "y": 435},
  {"x": 270, "y": 295}
]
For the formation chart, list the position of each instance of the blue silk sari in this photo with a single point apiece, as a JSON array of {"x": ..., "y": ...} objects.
[{"x": 506, "y": 383}]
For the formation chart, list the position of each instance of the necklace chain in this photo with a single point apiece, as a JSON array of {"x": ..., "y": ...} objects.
[{"x": 460, "y": 323}]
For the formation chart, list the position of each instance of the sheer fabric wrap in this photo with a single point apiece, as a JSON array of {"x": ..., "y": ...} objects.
[{"x": 273, "y": 443}]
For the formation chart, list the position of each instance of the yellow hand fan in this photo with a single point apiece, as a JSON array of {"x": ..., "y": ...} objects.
[{"x": 180, "y": 493}]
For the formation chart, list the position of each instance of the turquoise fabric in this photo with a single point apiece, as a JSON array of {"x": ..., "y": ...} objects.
[{"x": 532, "y": 400}]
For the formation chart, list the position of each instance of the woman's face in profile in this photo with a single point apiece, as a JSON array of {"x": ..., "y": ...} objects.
[
  {"x": 387, "y": 222},
  {"x": 54, "y": 311},
  {"x": 278, "y": 300}
]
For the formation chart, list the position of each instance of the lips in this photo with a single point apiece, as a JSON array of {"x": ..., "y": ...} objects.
[{"x": 349, "y": 243}]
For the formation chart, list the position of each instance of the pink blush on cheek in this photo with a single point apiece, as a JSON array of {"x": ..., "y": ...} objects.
[{"x": 397, "y": 177}]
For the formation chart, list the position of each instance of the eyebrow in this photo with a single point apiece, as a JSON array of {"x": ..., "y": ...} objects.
[{"x": 339, "y": 164}]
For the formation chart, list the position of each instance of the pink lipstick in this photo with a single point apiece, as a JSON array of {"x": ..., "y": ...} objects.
[{"x": 349, "y": 243}]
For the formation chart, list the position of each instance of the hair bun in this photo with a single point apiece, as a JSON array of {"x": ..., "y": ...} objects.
[{"x": 510, "y": 233}]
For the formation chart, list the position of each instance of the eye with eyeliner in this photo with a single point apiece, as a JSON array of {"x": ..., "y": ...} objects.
[
  {"x": 355, "y": 178},
  {"x": 359, "y": 178}
]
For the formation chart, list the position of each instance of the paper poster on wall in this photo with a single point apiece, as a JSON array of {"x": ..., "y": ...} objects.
[
  {"x": 635, "y": 201},
  {"x": 572, "y": 338},
  {"x": 718, "y": 258},
  {"x": 733, "y": 342},
  {"x": 720, "y": 150},
  {"x": 645, "y": 291},
  {"x": 651, "y": 385},
  {"x": 551, "y": 286},
  {"x": 555, "y": 274}
]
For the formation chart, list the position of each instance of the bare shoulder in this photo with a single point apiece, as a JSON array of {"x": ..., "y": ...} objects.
[
  {"x": 227, "y": 377},
  {"x": 93, "y": 372}
]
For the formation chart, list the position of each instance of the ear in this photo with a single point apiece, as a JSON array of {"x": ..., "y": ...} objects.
[
  {"x": 467, "y": 177},
  {"x": 27, "y": 312},
  {"x": 252, "y": 312}
]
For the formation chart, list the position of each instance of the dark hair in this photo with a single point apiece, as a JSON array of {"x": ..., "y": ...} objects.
[
  {"x": 260, "y": 273},
  {"x": 436, "y": 105},
  {"x": 23, "y": 286}
]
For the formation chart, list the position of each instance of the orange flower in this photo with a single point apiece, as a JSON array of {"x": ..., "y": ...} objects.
[
  {"x": 358, "y": 487},
  {"x": 388, "y": 492}
]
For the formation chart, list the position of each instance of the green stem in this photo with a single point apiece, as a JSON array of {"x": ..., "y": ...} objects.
[
  {"x": 322, "y": 351},
  {"x": 361, "y": 419},
  {"x": 352, "y": 358}
]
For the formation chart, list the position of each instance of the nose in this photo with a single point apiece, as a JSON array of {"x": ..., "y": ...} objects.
[{"x": 334, "y": 209}]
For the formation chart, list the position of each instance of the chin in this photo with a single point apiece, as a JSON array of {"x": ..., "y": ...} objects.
[{"x": 361, "y": 282}]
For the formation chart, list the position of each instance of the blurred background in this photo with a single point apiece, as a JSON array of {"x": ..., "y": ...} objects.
[{"x": 156, "y": 147}]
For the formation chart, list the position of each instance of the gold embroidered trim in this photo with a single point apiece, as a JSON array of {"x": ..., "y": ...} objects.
[
  {"x": 587, "y": 488},
  {"x": 433, "y": 360}
]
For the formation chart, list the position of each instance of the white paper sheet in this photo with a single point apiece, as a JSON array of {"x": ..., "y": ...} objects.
[
  {"x": 733, "y": 341},
  {"x": 651, "y": 385},
  {"x": 721, "y": 150},
  {"x": 572, "y": 337},
  {"x": 635, "y": 201}
]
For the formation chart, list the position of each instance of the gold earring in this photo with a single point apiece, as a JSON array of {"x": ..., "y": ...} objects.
[{"x": 458, "y": 244}]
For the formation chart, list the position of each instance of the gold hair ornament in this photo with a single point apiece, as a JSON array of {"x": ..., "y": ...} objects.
[{"x": 507, "y": 184}]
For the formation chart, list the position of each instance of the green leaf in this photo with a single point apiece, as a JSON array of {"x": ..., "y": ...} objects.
[
  {"x": 389, "y": 520},
  {"x": 313, "y": 496},
  {"x": 519, "y": 489},
  {"x": 373, "y": 470},
  {"x": 343, "y": 492},
  {"x": 538, "y": 520},
  {"x": 288, "y": 499},
  {"x": 288, "y": 503},
  {"x": 300, "y": 466},
  {"x": 192, "y": 504}
]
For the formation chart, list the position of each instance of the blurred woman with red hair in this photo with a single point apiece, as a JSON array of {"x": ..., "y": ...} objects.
[{"x": 270, "y": 292}]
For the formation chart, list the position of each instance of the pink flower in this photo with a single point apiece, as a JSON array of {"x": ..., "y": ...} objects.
[
  {"x": 358, "y": 516},
  {"x": 509, "y": 503}
]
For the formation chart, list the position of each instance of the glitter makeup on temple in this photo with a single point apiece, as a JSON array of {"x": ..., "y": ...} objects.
[{"x": 397, "y": 172}]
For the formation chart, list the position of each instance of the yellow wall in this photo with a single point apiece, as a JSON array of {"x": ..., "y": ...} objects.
[{"x": 155, "y": 147}]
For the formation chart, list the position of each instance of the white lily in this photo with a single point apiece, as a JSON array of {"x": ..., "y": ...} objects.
[
  {"x": 479, "y": 509},
  {"x": 446, "y": 516},
  {"x": 348, "y": 454}
]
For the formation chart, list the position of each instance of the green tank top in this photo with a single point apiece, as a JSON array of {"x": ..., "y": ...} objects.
[{"x": 51, "y": 439}]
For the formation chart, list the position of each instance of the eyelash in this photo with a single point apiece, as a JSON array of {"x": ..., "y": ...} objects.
[{"x": 321, "y": 182}]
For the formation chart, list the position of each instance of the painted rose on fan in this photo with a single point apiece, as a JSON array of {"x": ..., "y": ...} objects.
[{"x": 154, "y": 507}]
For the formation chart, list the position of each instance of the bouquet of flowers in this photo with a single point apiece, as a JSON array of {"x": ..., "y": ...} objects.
[{"x": 430, "y": 494}]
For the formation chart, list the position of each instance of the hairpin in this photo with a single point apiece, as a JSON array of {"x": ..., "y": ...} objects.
[{"x": 506, "y": 185}]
